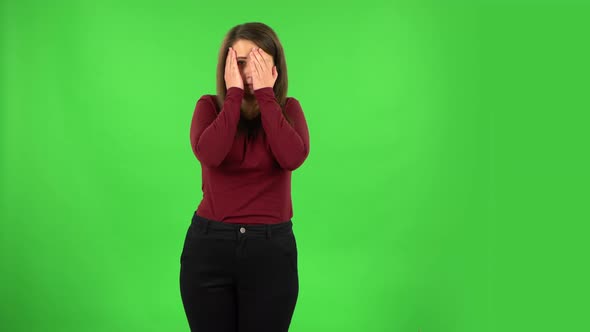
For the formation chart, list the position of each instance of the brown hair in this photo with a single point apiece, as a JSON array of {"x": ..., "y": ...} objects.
[{"x": 265, "y": 38}]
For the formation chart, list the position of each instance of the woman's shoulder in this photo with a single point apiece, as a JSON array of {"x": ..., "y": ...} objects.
[
  {"x": 292, "y": 104},
  {"x": 208, "y": 97},
  {"x": 210, "y": 100},
  {"x": 292, "y": 100}
]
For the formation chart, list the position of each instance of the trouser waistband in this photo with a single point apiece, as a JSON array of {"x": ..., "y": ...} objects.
[{"x": 236, "y": 230}]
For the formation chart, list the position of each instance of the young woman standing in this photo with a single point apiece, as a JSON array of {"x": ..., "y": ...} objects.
[{"x": 239, "y": 259}]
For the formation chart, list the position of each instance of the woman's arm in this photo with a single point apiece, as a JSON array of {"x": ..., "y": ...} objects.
[
  {"x": 289, "y": 143},
  {"x": 212, "y": 134}
]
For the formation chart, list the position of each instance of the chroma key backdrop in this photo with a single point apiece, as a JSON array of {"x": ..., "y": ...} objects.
[{"x": 446, "y": 189}]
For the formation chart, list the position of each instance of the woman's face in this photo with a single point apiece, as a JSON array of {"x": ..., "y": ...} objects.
[{"x": 243, "y": 48}]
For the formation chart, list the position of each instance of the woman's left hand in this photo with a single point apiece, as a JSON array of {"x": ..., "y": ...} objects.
[{"x": 264, "y": 73}]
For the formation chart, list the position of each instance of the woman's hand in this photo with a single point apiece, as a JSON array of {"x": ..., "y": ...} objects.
[
  {"x": 264, "y": 73},
  {"x": 232, "y": 76}
]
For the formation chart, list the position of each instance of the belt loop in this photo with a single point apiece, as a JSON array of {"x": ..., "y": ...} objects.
[{"x": 267, "y": 231}]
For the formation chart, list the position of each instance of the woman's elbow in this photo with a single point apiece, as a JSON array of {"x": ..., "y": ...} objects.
[
  {"x": 294, "y": 161},
  {"x": 206, "y": 158}
]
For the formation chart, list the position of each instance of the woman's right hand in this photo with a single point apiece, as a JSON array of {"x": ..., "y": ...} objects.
[{"x": 233, "y": 78}]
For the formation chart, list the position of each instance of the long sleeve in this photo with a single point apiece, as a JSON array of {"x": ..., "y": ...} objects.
[
  {"x": 289, "y": 143},
  {"x": 212, "y": 134}
]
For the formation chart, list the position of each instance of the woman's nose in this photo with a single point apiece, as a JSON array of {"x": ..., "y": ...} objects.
[
  {"x": 247, "y": 67},
  {"x": 247, "y": 73}
]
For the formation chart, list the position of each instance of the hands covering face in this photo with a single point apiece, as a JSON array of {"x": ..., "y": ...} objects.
[{"x": 264, "y": 73}]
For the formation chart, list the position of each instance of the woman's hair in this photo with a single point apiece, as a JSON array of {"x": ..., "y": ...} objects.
[{"x": 265, "y": 38}]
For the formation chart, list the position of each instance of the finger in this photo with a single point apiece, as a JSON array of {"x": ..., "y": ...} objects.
[
  {"x": 262, "y": 60},
  {"x": 230, "y": 66},
  {"x": 258, "y": 63},
  {"x": 234, "y": 61},
  {"x": 227, "y": 60},
  {"x": 235, "y": 64},
  {"x": 265, "y": 63}
]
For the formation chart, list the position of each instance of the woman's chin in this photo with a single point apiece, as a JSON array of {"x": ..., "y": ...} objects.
[{"x": 250, "y": 116}]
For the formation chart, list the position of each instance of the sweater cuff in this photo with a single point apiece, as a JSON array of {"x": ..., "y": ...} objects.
[
  {"x": 266, "y": 93},
  {"x": 234, "y": 90}
]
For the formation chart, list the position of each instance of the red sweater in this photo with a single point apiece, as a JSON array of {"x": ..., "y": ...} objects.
[{"x": 246, "y": 180}]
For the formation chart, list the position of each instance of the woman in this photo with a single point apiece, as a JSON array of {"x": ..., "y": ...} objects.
[{"x": 239, "y": 260}]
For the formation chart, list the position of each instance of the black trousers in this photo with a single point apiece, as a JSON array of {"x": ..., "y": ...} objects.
[{"x": 239, "y": 277}]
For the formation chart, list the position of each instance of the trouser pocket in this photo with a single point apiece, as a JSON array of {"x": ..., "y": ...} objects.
[{"x": 288, "y": 248}]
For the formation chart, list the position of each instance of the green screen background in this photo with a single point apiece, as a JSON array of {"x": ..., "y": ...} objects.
[{"x": 445, "y": 190}]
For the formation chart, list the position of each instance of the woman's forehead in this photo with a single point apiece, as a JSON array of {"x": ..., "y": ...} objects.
[
  {"x": 244, "y": 55},
  {"x": 243, "y": 48}
]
